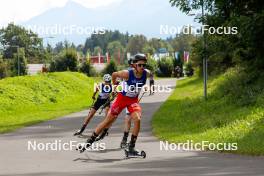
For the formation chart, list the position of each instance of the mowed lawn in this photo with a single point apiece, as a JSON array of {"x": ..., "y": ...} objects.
[
  {"x": 27, "y": 100},
  {"x": 187, "y": 116}
]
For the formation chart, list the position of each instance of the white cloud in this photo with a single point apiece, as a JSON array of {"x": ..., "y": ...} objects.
[{"x": 22, "y": 10}]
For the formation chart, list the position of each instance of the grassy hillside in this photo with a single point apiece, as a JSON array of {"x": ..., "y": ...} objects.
[
  {"x": 30, "y": 99},
  {"x": 234, "y": 112}
]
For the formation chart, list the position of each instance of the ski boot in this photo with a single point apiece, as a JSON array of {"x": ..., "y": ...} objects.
[
  {"x": 102, "y": 135},
  {"x": 89, "y": 142},
  {"x": 124, "y": 143},
  {"x": 79, "y": 132}
]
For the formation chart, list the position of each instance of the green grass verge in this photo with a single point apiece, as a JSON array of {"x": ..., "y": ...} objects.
[
  {"x": 27, "y": 100},
  {"x": 186, "y": 116}
]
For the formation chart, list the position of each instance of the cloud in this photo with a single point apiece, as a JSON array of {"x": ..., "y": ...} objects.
[{"x": 18, "y": 11}]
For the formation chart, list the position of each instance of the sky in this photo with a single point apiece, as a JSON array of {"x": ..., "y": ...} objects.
[{"x": 22, "y": 10}]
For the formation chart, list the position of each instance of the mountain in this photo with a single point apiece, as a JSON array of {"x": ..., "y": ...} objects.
[{"x": 133, "y": 16}]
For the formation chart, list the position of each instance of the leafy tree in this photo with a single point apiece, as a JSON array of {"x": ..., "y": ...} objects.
[
  {"x": 244, "y": 48},
  {"x": 4, "y": 68},
  {"x": 102, "y": 40},
  {"x": 66, "y": 61},
  {"x": 13, "y": 36},
  {"x": 19, "y": 65},
  {"x": 148, "y": 49},
  {"x": 136, "y": 44},
  {"x": 116, "y": 50},
  {"x": 152, "y": 65},
  {"x": 165, "y": 67},
  {"x": 97, "y": 50}
]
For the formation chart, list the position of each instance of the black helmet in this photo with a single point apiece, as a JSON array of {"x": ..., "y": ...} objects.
[
  {"x": 130, "y": 60},
  {"x": 139, "y": 57}
]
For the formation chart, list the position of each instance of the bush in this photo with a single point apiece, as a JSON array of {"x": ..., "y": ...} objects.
[
  {"x": 4, "y": 69},
  {"x": 165, "y": 67},
  {"x": 66, "y": 61},
  {"x": 188, "y": 69},
  {"x": 110, "y": 68},
  {"x": 152, "y": 65},
  {"x": 88, "y": 69}
]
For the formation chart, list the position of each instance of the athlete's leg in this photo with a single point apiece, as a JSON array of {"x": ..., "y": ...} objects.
[
  {"x": 127, "y": 123},
  {"x": 89, "y": 116},
  {"x": 127, "y": 126},
  {"x": 116, "y": 108},
  {"x": 98, "y": 103},
  {"x": 86, "y": 121},
  {"x": 105, "y": 130},
  {"x": 136, "y": 117}
]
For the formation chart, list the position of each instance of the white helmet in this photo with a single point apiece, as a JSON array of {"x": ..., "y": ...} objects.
[{"x": 107, "y": 77}]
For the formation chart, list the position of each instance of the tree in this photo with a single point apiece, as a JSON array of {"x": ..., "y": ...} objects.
[
  {"x": 66, "y": 61},
  {"x": 102, "y": 40},
  {"x": 97, "y": 50},
  {"x": 136, "y": 44},
  {"x": 116, "y": 50},
  {"x": 14, "y": 35},
  {"x": 165, "y": 66},
  {"x": 245, "y": 47},
  {"x": 19, "y": 65},
  {"x": 4, "y": 68},
  {"x": 148, "y": 49}
]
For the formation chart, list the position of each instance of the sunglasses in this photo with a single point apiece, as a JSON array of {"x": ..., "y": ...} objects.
[{"x": 141, "y": 65}]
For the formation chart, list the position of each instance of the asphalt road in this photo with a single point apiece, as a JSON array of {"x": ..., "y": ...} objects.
[{"x": 17, "y": 159}]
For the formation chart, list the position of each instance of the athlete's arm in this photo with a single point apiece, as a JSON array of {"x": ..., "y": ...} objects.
[
  {"x": 95, "y": 92},
  {"x": 124, "y": 74},
  {"x": 149, "y": 73}
]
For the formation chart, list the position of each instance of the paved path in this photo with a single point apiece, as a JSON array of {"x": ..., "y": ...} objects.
[{"x": 15, "y": 159}]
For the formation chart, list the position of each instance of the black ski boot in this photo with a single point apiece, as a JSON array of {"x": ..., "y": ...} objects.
[
  {"x": 123, "y": 143},
  {"x": 88, "y": 143},
  {"x": 79, "y": 132},
  {"x": 102, "y": 135}
]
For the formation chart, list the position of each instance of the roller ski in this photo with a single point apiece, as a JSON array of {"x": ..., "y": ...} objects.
[{"x": 130, "y": 152}]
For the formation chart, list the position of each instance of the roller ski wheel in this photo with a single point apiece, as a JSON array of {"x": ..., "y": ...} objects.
[{"x": 135, "y": 153}]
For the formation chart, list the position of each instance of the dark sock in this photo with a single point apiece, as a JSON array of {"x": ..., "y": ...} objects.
[
  {"x": 105, "y": 131},
  {"x": 83, "y": 128},
  {"x": 92, "y": 138},
  {"x": 133, "y": 141},
  {"x": 125, "y": 136}
]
